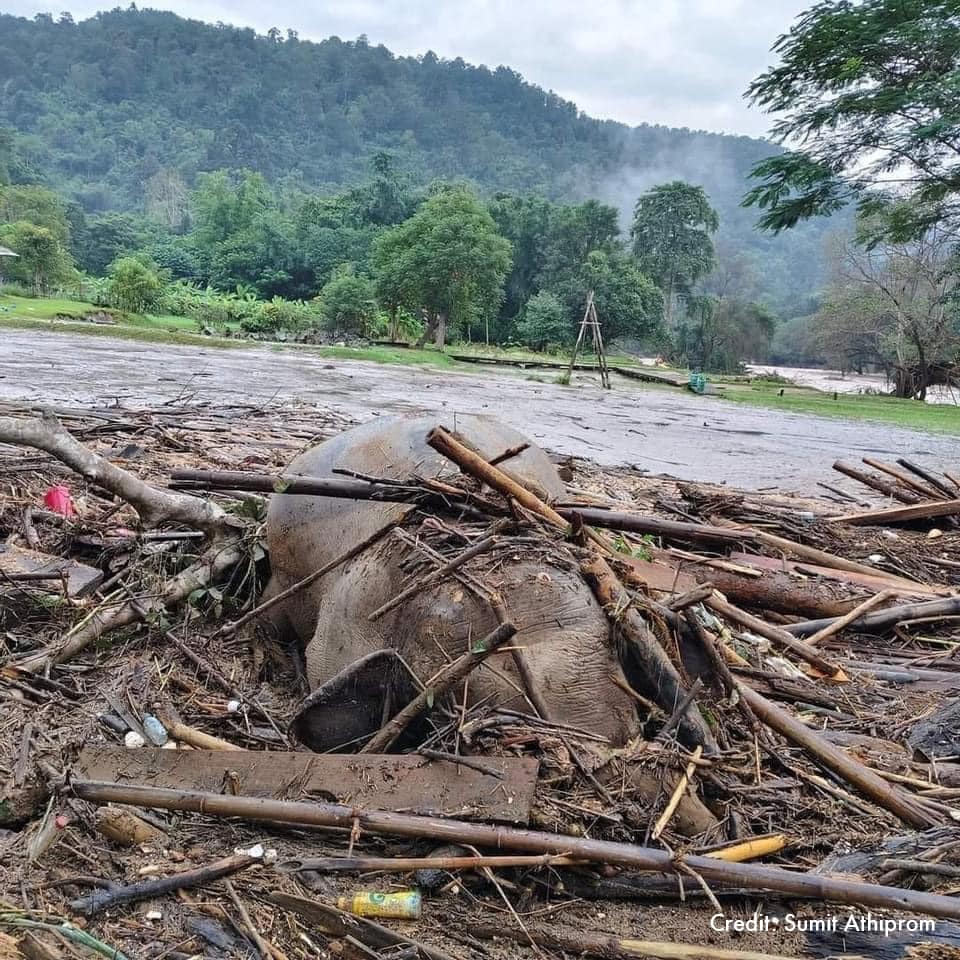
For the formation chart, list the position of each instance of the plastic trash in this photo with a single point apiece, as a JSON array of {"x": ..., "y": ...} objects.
[
  {"x": 133, "y": 740},
  {"x": 155, "y": 730},
  {"x": 405, "y": 905},
  {"x": 58, "y": 500}
]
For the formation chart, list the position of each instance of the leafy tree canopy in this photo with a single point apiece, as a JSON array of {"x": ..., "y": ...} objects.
[{"x": 868, "y": 94}]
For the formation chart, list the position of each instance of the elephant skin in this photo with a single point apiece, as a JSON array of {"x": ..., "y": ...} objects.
[
  {"x": 358, "y": 669},
  {"x": 564, "y": 631}
]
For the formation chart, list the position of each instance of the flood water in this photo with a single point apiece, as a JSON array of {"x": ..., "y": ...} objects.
[{"x": 657, "y": 429}]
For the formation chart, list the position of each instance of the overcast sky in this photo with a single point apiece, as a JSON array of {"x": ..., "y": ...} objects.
[{"x": 674, "y": 62}]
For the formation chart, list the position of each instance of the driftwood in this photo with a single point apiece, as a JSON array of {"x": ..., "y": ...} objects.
[
  {"x": 452, "y": 674},
  {"x": 415, "y": 492},
  {"x": 904, "y": 479},
  {"x": 874, "y": 482},
  {"x": 934, "y": 482},
  {"x": 154, "y": 507},
  {"x": 114, "y": 895},
  {"x": 837, "y": 625},
  {"x": 776, "y": 635},
  {"x": 484, "y": 835},
  {"x": 920, "y": 511},
  {"x": 880, "y": 620},
  {"x": 863, "y": 778}
]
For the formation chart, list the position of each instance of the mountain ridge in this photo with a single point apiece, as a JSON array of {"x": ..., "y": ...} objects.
[{"x": 100, "y": 105}]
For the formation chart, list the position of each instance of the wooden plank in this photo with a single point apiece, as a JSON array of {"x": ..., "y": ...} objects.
[
  {"x": 81, "y": 579},
  {"x": 407, "y": 782},
  {"x": 922, "y": 511}
]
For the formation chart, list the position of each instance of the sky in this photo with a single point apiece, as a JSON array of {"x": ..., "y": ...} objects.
[{"x": 680, "y": 63}]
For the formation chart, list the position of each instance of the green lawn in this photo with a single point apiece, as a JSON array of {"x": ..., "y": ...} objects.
[
  {"x": 943, "y": 418},
  {"x": 27, "y": 313}
]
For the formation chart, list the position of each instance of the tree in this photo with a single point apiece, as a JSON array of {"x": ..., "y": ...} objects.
[
  {"x": 868, "y": 90},
  {"x": 104, "y": 239},
  {"x": 545, "y": 322},
  {"x": 36, "y": 205},
  {"x": 166, "y": 199},
  {"x": 455, "y": 260},
  {"x": 42, "y": 261},
  {"x": 895, "y": 305},
  {"x": 672, "y": 227},
  {"x": 347, "y": 304},
  {"x": 133, "y": 285},
  {"x": 719, "y": 333}
]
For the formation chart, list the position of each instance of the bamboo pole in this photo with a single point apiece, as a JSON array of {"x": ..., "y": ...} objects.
[
  {"x": 492, "y": 836},
  {"x": 837, "y": 625},
  {"x": 867, "y": 781},
  {"x": 776, "y": 635},
  {"x": 611, "y": 947}
]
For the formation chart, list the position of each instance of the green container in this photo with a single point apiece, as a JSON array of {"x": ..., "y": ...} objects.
[{"x": 697, "y": 383}]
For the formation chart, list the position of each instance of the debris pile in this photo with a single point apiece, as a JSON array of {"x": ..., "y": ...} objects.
[{"x": 792, "y": 661}]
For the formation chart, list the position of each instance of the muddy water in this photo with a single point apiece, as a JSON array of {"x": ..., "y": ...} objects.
[{"x": 660, "y": 430}]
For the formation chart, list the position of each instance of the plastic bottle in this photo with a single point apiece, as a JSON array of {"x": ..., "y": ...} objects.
[
  {"x": 405, "y": 905},
  {"x": 154, "y": 729}
]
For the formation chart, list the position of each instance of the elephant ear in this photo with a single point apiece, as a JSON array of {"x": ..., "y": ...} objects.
[{"x": 349, "y": 707}]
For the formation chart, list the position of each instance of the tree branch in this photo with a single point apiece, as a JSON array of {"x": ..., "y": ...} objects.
[{"x": 153, "y": 505}]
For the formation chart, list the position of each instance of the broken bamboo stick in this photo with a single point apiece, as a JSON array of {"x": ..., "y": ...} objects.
[
  {"x": 228, "y": 629},
  {"x": 776, "y": 635},
  {"x": 452, "y": 674},
  {"x": 406, "y": 864},
  {"x": 435, "y": 576},
  {"x": 837, "y": 625},
  {"x": 879, "y": 620},
  {"x": 777, "y": 879},
  {"x": 867, "y": 781}
]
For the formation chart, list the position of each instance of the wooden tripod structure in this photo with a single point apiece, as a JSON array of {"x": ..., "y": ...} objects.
[{"x": 591, "y": 321}]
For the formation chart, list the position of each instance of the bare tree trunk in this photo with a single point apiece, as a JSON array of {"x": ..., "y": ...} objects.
[
  {"x": 393, "y": 322},
  {"x": 441, "y": 337},
  {"x": 428, "y": 330}
]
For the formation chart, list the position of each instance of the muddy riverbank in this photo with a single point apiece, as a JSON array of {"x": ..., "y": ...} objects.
[{"x": 660, "y": 430}]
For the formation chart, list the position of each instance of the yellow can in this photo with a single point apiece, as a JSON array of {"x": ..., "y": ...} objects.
[{"x": 400, "y": 906}]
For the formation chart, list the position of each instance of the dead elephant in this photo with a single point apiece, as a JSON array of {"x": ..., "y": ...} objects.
[{"x": 563, "y": 630}]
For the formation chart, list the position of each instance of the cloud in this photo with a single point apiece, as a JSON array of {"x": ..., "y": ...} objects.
[{"x": 680, "y": 63}]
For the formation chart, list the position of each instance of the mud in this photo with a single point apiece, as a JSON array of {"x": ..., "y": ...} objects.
[{"x": 660, "y": 430}]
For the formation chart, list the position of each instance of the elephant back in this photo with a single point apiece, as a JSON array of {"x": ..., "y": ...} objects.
[{"x": 304, "y": 533}]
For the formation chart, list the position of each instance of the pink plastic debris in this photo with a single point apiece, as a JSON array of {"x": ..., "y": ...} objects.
[{"x": 58, "y": 500}]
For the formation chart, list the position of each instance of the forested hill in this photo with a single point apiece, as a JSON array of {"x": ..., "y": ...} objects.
[{"x": 102, "y": 105}]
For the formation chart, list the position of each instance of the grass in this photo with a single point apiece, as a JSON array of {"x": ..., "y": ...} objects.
[
  {"x": 941, "y": 418},
  {"x": 27, "y": 313}
]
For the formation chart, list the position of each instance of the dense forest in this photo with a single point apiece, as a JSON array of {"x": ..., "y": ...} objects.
[{"x": 126, "y": 111}]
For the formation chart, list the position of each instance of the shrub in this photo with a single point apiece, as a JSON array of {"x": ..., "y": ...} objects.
[
  {"x": 133, "y": 286},
  {"x": 347, "y": 304}
]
